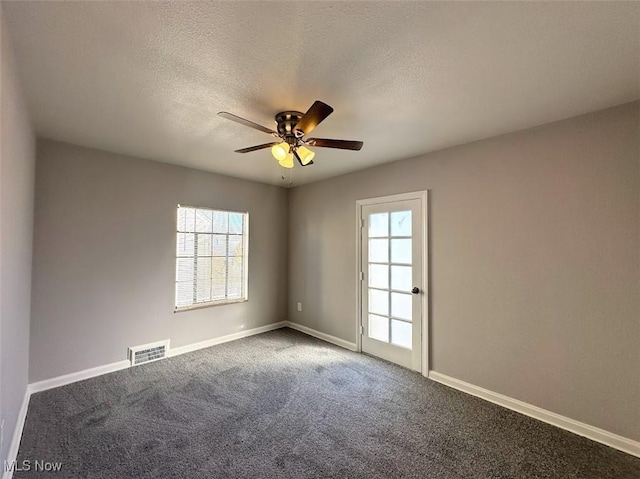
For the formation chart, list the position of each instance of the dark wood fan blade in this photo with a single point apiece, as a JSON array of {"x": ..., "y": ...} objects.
[
  {"x": 312, "y": 118},
  {"x": 340, "y": 144},
  {"x": 242, "y": 121},
  {"x": 257, "y": 147},
  {"x": 297, "y": 157}
]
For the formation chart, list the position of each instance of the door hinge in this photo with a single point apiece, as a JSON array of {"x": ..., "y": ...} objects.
[
  {"x": 361, "y": 329},
  {"x": 361, "y": 222},
  {"x": 361, "y": 275}
]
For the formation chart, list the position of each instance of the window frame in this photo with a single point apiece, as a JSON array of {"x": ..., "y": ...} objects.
[{"x": 245, "y": 261}]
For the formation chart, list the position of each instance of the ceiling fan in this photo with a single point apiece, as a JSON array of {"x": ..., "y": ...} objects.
[{"x": 292, "y": 130}]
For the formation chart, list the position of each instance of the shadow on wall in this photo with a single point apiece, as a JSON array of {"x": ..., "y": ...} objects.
[
  {"x": 313, "y": 287},
  {"x": 429, "y": 282}
]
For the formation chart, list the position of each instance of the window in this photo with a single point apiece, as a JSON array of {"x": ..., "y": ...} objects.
[{"x": 211, "y": 259}]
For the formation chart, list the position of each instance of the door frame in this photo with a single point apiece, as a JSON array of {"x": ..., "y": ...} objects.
[{"x": 423, "y": 196}]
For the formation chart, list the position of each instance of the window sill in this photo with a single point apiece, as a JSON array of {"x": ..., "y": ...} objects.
[{"x": 182, "y": 309}]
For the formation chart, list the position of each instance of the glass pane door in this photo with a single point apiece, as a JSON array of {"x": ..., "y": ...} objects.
[
  {"x": 391, "y": 268},
  {"x": 390, "y": 277}
]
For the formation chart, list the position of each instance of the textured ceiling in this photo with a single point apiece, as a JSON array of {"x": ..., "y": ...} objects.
[{"x": 147, "y": 78}]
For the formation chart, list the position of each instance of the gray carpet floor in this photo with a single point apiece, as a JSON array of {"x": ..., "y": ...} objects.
[{"x": 285, "y": 405}]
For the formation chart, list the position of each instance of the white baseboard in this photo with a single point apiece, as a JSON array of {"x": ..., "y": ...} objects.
[
  {"x": 324, "y": 336},
  {"x": 77, "y": 376},
  {"x": 117, "y": 366},
  {"x": 225, "y": 339},
  {"x": 591, "y": 432},
  {"x": 17, "y": 433}
]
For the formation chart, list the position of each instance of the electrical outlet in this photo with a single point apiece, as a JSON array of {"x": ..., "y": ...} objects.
[{"x": 299, "y": 306}]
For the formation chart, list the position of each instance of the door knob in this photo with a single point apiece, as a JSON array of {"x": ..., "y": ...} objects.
[{"x": 415, "y": 290}]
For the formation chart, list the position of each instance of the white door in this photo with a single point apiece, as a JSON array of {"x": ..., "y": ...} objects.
[{"x": 391, "y": 281}]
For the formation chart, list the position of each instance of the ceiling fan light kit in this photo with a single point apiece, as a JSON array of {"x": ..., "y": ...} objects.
[
  {"x": 292, "y": 129},
  {"x": 287, "y": 162},
  {"x": 305, "y": 154},
  {"x": 280, "y": 151}
]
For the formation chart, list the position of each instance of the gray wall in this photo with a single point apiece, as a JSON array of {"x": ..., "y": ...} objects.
[
  {"x": 17, "y": 163},
  {"x": 535, "y": 262},
  {"x": 104, "y": 256}
]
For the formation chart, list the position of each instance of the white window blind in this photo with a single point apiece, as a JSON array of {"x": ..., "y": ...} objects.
[{"x": 211, "y": 259}]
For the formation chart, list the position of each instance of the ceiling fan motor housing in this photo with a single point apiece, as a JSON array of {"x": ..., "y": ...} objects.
[{"x": 286, "y": 121}]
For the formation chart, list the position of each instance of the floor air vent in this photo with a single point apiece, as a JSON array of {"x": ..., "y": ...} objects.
[{"x": 146, "y": 353}]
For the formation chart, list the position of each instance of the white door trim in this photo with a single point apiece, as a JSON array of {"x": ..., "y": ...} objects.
[{"x": 423, "y": 196}]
